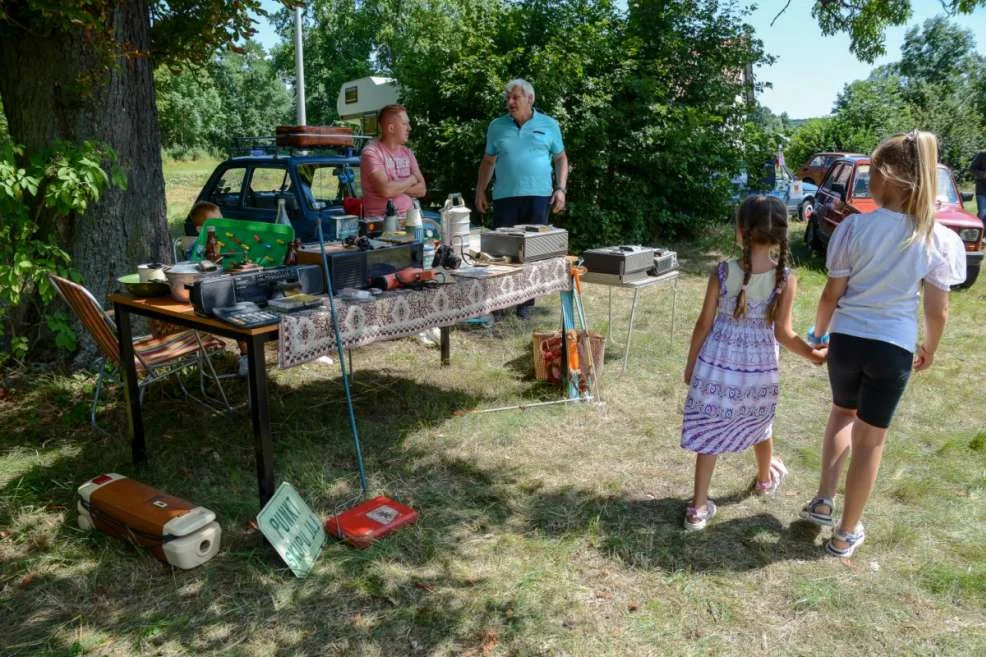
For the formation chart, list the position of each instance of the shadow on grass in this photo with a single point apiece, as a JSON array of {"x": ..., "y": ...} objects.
[
  {"x": 117, "y": 598},
  {"x": 648, "y": 533}
]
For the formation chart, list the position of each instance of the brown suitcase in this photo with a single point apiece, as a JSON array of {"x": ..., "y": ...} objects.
[
  {"x": 313, "y": 136},
  {"x": 174, "y": 530}
]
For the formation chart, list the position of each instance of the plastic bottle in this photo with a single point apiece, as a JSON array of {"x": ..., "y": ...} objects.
[
  {"x": 413, "y": 222},
  {"x": 211, "y": 245},
  {"x": 282, "y": 213},
  {"x": 291, "y": 256},
  {"x": 390, "y": 219}
]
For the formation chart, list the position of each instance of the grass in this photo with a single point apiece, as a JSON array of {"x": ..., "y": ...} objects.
[{"x": 552, "y": 531}]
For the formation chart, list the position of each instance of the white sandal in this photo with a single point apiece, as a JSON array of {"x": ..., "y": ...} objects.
[{"x": 852, "y": 540}]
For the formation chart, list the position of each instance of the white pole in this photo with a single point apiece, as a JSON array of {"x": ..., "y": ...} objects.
[{"x": 299, "y": 66}]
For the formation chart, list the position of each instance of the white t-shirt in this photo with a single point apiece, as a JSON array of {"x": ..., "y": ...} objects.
[{"x": 885, "y": 274}]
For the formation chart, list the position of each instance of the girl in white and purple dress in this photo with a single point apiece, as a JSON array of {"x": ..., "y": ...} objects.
[{"x": 732, "y": 370}]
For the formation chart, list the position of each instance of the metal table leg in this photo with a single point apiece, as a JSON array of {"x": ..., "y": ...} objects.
[
  {"x": 633, "y": 312},
  {"x": 260, "y": 417},
  {"x": 131, "y": 389},
  {"x": 609, "y": 327},
  {"x": 446, "y": 347},
  {"x": 674, "y": 307}
]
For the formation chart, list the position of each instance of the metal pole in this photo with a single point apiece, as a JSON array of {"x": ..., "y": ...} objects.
[{"x": 299, "y": 66}]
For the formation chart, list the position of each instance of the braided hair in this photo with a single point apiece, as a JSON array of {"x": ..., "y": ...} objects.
[{"x": 762, "y": 220}]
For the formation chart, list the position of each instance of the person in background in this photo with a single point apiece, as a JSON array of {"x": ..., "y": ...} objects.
[
  {"x": 197, "y": 216},
  {"x": 880, "y": 264},
  {"x": 732, "y": 369},
  {"x": 388, "y": 168},
  {"x": 523, "y": 148},
  {"x": 979, "y": 175}
]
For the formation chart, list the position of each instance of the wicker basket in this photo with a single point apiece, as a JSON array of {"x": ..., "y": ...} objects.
[{"x": 547, "y": 355}]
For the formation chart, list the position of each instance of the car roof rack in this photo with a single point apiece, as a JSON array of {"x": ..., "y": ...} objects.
[{"x": 267, "y": 146}]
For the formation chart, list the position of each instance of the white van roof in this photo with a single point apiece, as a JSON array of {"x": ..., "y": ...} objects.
[{"x": 365, "y": 96}]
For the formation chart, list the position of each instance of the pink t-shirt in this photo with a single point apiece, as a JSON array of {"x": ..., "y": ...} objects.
[{"x": 399, "y": 164}]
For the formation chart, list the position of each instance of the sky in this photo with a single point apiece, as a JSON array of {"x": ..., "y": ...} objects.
[{"x": 810, "y": 70}]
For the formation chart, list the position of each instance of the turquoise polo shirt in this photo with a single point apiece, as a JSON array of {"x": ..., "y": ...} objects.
[{"x": 524, "y": 154}]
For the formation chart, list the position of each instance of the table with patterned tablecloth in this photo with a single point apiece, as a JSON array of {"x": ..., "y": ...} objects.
[{"x": 308, "y": 335}]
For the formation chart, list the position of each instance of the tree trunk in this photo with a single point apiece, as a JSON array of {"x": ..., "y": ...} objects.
[{"x": 56, "y": 86}]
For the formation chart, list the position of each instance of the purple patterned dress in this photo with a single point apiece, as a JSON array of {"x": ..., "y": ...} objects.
[{"x": 734, "y": 388}]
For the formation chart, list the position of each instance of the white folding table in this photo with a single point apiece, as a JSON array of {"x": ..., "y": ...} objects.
[{"x": 613, "y": 281}]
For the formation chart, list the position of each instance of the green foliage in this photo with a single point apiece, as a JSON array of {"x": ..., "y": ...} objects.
[
  {"x": 646, "y": 98},
  {"x": 36, "y": 192},
  {"x": 938, "y": 85},
  {"x": 866, "y": 21},
  {"x": 237, "y": 94}
]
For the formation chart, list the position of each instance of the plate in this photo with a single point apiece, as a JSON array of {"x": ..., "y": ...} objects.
[{"x": 148, "y": 289}]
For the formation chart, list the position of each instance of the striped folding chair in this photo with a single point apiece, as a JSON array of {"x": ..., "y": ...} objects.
[{"x": 155, "y": 358}]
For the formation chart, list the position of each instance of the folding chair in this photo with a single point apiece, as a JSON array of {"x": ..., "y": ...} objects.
[{"x": 154, "y": 358}]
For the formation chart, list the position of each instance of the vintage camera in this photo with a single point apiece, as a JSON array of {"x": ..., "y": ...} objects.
[{"x": 445, "y": 257}]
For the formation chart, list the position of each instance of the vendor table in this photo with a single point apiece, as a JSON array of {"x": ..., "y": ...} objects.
[
  {"x": 670, "y": 278},
  {"x": 308, "y": 335}
]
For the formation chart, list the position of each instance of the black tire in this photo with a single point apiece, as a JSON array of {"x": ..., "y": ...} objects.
[
  {"x": 971, "y": 274},
  {"x": 806, "y": 209},
  {"x": 808, "y": 180},
  {"x": 811, "y": 236}
]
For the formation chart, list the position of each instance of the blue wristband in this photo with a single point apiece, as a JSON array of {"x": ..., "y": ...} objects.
[{"x": 814, "y": 340}]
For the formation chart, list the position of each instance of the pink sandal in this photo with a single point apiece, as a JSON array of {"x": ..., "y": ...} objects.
[{"x": 777, "y": 473}]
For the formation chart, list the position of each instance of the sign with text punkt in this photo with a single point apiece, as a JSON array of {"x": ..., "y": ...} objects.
[{"x": 292, "y": 528}]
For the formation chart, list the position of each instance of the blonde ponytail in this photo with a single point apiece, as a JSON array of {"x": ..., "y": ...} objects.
[{"x": 910, "y": 162}]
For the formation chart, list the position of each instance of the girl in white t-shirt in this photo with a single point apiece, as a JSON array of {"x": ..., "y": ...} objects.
[{"x": 878, "y": 263}]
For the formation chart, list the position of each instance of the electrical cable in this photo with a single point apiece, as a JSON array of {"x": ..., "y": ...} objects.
[{"x": 342, "y": 360}]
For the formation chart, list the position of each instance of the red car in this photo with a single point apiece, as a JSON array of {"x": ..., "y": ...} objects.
[
  {"x": 813, "y": 171},
  {"x": 846, "y": 190}
]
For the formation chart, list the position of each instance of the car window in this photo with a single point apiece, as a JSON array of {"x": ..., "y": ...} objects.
[
  {"x": 834, "y": 175},
  {"x": 841, "y": 176},
  {"x": 228, "y": 188},
  {"x": 325, "y": 185},
  {"x": 817, "y": 161},
  {"x": 266, "y": 183},
  {"x": 861, "y": 185},
  {"x": 946, "y": 190}
]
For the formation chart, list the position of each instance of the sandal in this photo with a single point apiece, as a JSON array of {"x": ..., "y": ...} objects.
[
  {"x": 811, "y": 513},
  {"x": 852, "y": 540},
  {"x": 695, "y": 519},
  {"x": 777, "y": 473}
]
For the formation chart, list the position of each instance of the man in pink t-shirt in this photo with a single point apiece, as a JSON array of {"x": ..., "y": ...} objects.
[{"x": 388, "y": 168}]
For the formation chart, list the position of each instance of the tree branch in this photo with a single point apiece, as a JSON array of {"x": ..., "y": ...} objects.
[{"x": 780, "y": 12}]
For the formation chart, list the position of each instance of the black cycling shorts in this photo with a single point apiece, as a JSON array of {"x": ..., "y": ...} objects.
[{"x": 868, "y": 376}]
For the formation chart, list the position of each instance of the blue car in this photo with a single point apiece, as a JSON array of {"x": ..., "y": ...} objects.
[{"x": 797, "y": 196}]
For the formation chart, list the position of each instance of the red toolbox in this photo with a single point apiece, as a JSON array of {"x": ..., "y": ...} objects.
[
  {"x": 370, "y": 520},
  {"x": 177, "y": 532}
]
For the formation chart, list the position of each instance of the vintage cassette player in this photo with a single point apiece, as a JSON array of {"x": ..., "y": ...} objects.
[
  {"x": 175, "y": 531},
  {"x": 623, "y": 260},
  {"x": 525, "y": 242},
  {"x": 257, "y": 286},
  {"x": 355, "y": 266},
  {"x": 665, "y": 260}
]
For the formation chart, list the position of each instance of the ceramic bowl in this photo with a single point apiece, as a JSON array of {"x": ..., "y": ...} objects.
[{"x": 146, "y": 289}]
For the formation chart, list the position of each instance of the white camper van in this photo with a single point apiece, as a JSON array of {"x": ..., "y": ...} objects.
[{"x": 361, "y": 100}]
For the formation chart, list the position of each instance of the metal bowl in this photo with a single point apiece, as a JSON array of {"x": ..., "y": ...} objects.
[
  {"x": 186, "y": 273},
  {"x": 144, "y": 289}
]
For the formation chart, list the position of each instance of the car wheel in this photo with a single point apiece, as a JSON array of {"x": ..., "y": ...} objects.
[
  {"x": 971, "y": 274},
  {"x": 811, "y": 236},
  {"x": 806, "y": 209},
  {"x": 808, "y": 180}
]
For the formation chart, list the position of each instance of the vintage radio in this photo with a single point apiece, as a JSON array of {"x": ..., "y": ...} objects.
[
  {"x": 341, "y": 226},
  {"x": 621, "y": 260},
  {"x": 525, "y": 242},
  {"x": 257, "y": 286},
  {"x": 177, "y": 532},
  {"x": 352, "y": 266},
  {"x": 664, "y": 261}
]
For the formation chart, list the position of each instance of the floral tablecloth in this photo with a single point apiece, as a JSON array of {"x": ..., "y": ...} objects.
[{"x": 306, "y": 336}]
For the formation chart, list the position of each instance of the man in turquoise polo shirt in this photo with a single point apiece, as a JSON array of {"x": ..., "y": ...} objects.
[{"x": 523, "y": 148}]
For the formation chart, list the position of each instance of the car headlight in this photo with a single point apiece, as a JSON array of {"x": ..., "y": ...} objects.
[{"x": 969, "y": 234}]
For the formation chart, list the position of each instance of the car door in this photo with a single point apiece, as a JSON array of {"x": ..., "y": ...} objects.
[
  {"x": 830, "y": 204},
  {"x": 225, "y": 189},
  {"x": 264, "y": 185}
]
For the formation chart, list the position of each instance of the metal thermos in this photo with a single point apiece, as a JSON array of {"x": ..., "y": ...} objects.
[{"x": 390, "y": 219}]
